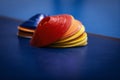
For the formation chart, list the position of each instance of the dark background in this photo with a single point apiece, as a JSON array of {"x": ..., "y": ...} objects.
[{"x": 98, "y": 16}]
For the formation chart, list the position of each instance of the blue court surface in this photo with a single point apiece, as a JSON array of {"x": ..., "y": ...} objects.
[{"x": 99, "y": 60}]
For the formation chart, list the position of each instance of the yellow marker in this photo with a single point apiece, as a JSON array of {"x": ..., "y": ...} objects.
[
  {"x": 82, "y": 43},
  {"x": 76, "y": 40},
  {"x": 26, "y": 29},
  {"x": 80, "y": 32}
]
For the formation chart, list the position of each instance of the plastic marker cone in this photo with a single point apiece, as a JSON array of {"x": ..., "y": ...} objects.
[
  {"x": 60, "y": 31},
  {"x": 51, "y": 29}
]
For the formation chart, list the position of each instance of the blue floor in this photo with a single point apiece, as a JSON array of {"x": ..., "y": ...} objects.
[{"x": 99, "y": 60}]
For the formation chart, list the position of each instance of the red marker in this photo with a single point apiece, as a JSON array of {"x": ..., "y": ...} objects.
[{"x": 51, "y": 29}]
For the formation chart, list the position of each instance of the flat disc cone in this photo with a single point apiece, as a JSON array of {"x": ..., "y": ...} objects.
[{"x": 51, "y": 29}]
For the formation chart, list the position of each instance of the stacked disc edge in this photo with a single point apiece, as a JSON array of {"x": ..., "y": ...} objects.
[
  {"x": 59, "y": 31},
  {"x": 27, "y": 28}
]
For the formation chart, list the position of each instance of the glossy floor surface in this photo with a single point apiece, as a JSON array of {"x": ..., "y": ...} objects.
[{"x": 99, "y": 60}]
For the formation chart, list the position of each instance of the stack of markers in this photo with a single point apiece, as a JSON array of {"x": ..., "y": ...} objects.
[
  {"x": 27, "y": 28},
  {"x": 59, "y": 31}
]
